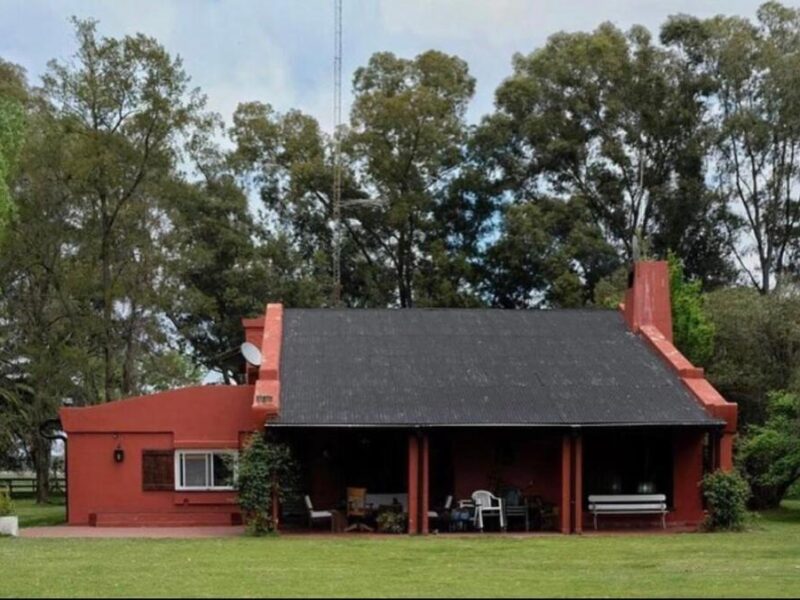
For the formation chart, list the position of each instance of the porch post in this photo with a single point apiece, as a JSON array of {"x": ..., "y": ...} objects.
[
  {"x": 721, "y": 443},
  {"x": 276, "y": 511},
  {"x": 566, "y": 480},
  {"x": 578, "y": 451},
  {"x": 413, "y": 483},
  {"x": 725, "y": 452},
  {"x": 424, "y": 483}
]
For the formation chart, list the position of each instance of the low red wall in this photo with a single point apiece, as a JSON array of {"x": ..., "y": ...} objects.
[
  {"x": 533, "y": 463},
  {"x": 105, "y": 492}
]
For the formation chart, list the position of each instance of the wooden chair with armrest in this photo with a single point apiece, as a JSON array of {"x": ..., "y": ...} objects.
[{"x": 357, "y": 509}]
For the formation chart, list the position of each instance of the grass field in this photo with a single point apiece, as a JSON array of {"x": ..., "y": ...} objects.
[
  {"x": 762, "y": 562},
  {"x": 36, "y": 515}
]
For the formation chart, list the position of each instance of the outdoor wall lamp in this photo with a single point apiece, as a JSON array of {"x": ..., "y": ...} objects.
[{"x": 119, "y": 454}]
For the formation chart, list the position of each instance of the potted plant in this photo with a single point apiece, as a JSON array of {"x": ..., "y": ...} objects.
[
  {"x": 391, "y": 521},
  {"x": 9, "y": 523}
]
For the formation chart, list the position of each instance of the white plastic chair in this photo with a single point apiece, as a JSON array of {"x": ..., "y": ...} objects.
[
  {"x": 487, "y": 503},
  {"x": 317, "y": 515}
]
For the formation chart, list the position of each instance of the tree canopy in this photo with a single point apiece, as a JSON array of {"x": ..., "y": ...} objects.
[
  {"x": 137, "y": 228},
  {"x": 13, "y": 93},
  {"x": 752, "y": 74}
]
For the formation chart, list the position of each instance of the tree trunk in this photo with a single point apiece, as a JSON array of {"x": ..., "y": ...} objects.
[
  {"x": 41, "y": 460},
  {"x": 765, "y": 276},
  {"x": 105, "y": 261},
  {"x": 400, "y": 270},
  {"x": 409, "y": 274},
  {"x": 129, "y": 386}
]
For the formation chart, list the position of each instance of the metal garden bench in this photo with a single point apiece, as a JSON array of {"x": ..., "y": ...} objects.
[{"x": 631, "y": 504}]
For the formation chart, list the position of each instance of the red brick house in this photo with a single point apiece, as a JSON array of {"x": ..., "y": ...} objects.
[{"x": 427, "y": 403}]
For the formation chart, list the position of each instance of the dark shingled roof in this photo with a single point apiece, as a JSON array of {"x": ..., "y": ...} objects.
[{"x": 461, "y": 367}]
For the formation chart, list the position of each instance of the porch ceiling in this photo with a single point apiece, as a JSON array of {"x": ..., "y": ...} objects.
[{"x": 474, "y": 367}]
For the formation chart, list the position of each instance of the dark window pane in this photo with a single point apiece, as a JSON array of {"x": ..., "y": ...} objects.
[
  {"x": 223, "y": 470},
  {"x": 158, "y": 470}
]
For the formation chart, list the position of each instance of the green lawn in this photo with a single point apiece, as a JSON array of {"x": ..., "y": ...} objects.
[
  {"x": 761, "y": 562},
  {"x": 36, "y": 515}
]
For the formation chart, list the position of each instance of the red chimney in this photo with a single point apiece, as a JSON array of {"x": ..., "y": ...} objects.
[
  {"x": 267, "y": 396},
  {"x": 648, "y": 312},
  {"x": 647, "y": 300}
]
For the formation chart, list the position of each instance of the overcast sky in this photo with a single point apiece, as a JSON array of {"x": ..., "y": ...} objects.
[{"x": 280, "y": 51}]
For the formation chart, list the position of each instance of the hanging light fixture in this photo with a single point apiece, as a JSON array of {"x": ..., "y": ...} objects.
[{"x": 119, "y": 454}]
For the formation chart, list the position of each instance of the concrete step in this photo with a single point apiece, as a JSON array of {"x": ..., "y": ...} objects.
[{"x": 164, "y": 519}]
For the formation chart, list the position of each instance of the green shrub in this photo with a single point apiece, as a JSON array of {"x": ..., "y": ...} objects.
[
  {"x": 794, "y": 492},
  {"x": 390, "y": 521},
  {"x": 6, "y": 506},
  {"x": 726, "y": 495},
  {"x": 266, "y": 469},
  {"x": 769, "y": 454}
]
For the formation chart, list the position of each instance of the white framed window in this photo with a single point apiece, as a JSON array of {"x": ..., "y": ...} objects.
[{"x": 205, "y": 469}]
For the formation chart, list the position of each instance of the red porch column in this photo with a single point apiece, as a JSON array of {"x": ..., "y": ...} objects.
[
  {"x": 725, "y": 452},
  {"x": 424, "y": 483},
  {"x": 578, "y": 454},
  {"x": 413, "y": 483},
  {"x": 566, "y": 481},
  {"x": 687, "y": 465}
]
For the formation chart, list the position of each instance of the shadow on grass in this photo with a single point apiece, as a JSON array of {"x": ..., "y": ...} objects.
[{"x": 789, "y": 512}]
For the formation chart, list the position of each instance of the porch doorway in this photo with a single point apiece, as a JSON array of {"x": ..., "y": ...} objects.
[
  {"x": 331, "y": 461},
  {"x": 628, "y": 462},
  {"x": 520, "y": 466}
]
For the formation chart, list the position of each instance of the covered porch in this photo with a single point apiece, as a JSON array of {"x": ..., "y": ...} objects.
[{"x": 543, "y": 475}]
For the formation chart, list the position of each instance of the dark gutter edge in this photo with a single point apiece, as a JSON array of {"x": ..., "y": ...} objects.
[{"x": 711, "y": 424}]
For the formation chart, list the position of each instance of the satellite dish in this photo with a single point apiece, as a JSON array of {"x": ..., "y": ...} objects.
[{"x": 251, "y": 354}]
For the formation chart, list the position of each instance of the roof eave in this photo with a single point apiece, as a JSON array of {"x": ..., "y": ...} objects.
[{"x": 711, "y": 424}]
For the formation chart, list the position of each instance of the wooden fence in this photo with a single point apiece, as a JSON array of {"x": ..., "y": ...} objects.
[{"x": 25, "y": 487}]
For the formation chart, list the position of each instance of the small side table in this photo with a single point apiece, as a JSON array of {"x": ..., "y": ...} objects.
[
  {"x": 462, "y": 516},
  {"x": 339, "y": 521}
]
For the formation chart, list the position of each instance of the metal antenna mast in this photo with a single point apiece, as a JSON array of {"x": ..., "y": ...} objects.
[{"x": 337, "y": 155}]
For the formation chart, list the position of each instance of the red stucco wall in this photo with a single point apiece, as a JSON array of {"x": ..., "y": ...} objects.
[
  {"x": 104, "y": 492},
  {"x": 535, "y": 464},
  {"x": 687, "y": 456}
]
